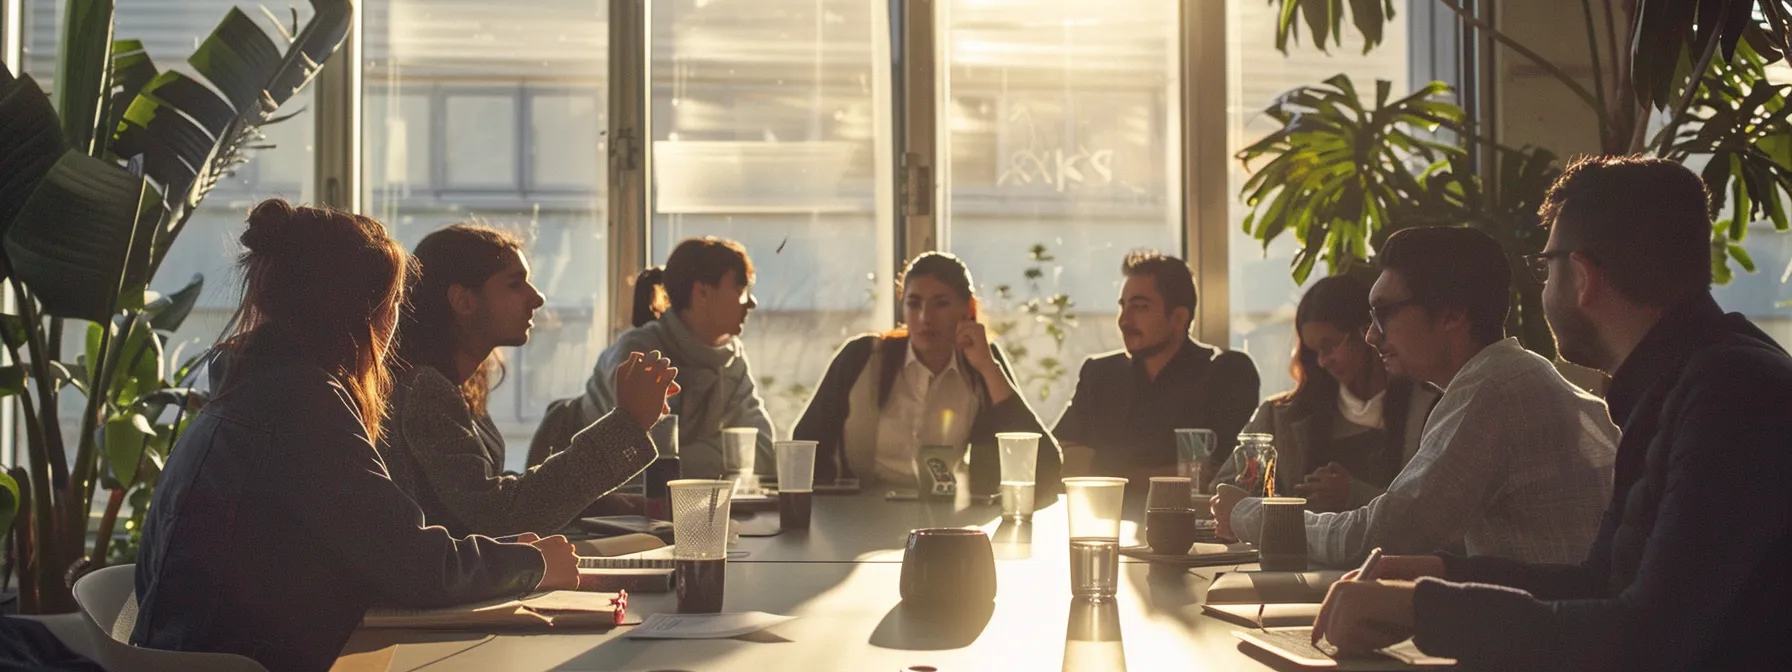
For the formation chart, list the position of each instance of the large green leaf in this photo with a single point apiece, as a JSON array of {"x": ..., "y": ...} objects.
[
  {"x": 132, "y": 69},
  {"x": 126, "y": 437},
  {"x": 239, "y": 59},
  {"x": 313, "y": 45},
  {"x": 83, "y": 66},
  {"x": 30, "y": 142},
  {"x": 176, "y": 125},
  {"x": 12, "y": 380},
  {"x": 169, "y": 312},
  {"x": 70, "y": 241},
  {"x": 9, "y": 500}
]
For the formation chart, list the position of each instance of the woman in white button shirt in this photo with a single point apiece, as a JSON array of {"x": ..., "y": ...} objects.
[
  {"x": 1346, "y": 429},
  {"x": 936, "y": 381}
]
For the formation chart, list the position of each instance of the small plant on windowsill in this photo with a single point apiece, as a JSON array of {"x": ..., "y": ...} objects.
[{"x": 1033, "y": 332}]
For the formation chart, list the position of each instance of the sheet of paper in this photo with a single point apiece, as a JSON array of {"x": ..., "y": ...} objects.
[{"x": 704, "y": 626}]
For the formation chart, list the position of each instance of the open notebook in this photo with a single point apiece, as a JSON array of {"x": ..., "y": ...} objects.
[
  {"x": 1295, "y": 645},
  {"x": 569, "y": 609}
]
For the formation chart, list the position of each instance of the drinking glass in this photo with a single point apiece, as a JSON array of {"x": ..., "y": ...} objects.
[
  {"x": 796, "y": 482},
  {"x": 1194, "y": 447},
  {"x": 740, "y": 446},
  {"x": 1094, "y": 510},
  {"x": 1020, "y": 466},
  {"x": 700, "y": 548}
]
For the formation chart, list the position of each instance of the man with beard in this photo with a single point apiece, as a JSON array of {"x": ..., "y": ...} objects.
[
  {"x": 1514, "y": 461},
  {"x": 1689, "y": 569},
  {"x": 1129, "y": 404}
]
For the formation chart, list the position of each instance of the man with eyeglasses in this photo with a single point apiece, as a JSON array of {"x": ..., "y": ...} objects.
[
  {"x": 1514, "y": 462},
  {"x": 1689, "y": 569}
]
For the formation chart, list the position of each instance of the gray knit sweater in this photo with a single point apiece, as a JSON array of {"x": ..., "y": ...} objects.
[{"x": 451, "y": 461}]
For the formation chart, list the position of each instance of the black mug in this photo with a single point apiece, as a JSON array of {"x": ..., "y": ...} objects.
[{"x": 947, "y": 565}]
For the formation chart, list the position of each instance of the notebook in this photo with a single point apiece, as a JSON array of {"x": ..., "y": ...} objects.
[
  {"x": 1273, "y": 615},
  {"x": 566, "y": 609},
  {"x": 1295, "y": 645},
  {"x": 1272, "y": 587}
]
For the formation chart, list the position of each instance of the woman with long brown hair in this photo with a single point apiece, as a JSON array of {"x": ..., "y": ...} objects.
[
  {"x": 936, "y": 381},
  {"x": 1346, "y": 429},
  {"x": 274, "y": 526},
  {"x": 472, "y": 296}
]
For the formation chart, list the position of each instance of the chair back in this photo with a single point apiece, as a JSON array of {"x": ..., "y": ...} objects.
[
  {"x": 109, "y": 596},
  {"x": 108, "y": 601},
  {"x": 558, "y": 424}
]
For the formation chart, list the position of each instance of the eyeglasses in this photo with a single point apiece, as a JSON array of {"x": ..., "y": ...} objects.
[
  {"x": 1379, "y": 315},
  {"x": 1539, "y": 263}
]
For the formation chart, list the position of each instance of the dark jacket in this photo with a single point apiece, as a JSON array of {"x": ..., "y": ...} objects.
[
  {"x": 1131, "y": 422},
  {"x": 451, "y": 462},
  {"x": 274, "y": 527},
  {"x": 824, "y": 421},
  {"x": 1688, "y": 571},
  {"x": 1297, "y": 433}
]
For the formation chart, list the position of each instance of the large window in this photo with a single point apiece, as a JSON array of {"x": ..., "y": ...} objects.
[
  {"x": 766, "y": 131},
  {"x": 479, "y": 112},
  {"x": 1263, "y": 292},
  {"x": 1061, "y": 122}
]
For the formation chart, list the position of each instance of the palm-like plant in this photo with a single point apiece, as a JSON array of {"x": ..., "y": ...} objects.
[
  {"x": 1698, "y": 67},
  {"x": 93, "y": 193}
]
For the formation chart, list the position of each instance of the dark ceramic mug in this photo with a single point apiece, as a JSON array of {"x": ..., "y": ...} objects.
[{"x": 948, "y": 565}]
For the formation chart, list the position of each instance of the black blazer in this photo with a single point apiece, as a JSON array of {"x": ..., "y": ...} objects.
[
  {"x": 824, "y": 421},
  {"x": 1132, "y": 428},
  {"x": 274, "y": 527}
]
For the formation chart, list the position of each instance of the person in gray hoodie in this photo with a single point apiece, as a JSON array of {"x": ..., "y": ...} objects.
[{"x": 692, "y": 310}]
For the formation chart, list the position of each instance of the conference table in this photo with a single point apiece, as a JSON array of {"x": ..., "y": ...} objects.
[{"x": 840, "y": 580}]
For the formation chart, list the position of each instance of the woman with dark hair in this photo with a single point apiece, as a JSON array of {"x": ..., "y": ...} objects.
[
  {"x": 693, "y": 310},
  {"x": 472, "y": 296},
  {"x": 274, "y": 525},
  {"x": 1346, "y": 429},
  {"x": 937, "y": 381}
]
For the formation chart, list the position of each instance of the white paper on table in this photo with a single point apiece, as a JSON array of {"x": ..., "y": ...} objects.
[{"x": 704, "y": 626}]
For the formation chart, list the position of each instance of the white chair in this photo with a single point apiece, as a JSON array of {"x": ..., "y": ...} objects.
[{"x": 102, "y": 630}]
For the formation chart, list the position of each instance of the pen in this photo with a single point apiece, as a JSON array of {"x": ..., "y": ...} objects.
[{"x": 1368, "y": 568}]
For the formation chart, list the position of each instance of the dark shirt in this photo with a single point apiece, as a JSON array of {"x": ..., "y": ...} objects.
[
  {"x": 1131, "y": 420},
  {"x": 274, "y": 527},
  {"x": 1688, "y": 571}
]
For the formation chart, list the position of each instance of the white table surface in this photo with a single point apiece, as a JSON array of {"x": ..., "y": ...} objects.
[{"x": 841, "y": 582}]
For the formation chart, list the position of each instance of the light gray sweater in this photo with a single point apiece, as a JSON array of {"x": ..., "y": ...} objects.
[{"x": 717, "y": 391}]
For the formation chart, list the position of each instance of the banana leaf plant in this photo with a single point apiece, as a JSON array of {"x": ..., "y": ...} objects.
[
  {"x": 93, "y": 193},
  {"x": 1697, "y": 66}
]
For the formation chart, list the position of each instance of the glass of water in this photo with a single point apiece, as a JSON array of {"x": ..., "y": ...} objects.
[
  {"x": 1094, "y": 511},
  {"x": 739, "y": 450},
  {"x": 1020, "y": 466}
]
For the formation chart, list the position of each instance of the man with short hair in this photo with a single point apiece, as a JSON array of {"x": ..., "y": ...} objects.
[
  {"x": 1129, "y": 404},
  {"x": 1514, "y": 462},
  {"x": 1689, "y": 569}
]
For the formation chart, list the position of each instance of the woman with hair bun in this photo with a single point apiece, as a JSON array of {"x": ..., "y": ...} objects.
[{"x": 274, "y": 526}]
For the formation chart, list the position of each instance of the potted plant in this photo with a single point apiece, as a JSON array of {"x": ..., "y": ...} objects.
[
  {"x": 93, "y": 194},
  {"x": 1697, "y": 67}
]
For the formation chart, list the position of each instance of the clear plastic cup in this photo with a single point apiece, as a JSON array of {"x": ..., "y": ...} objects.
[
  {"x": 700, "y": 518},
  {"x": 1094, "y": 511},
  {"x": 739, "y": 451},
  {"x": 796, "y": 465},
  {"x": 1020, "y": 466}
]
